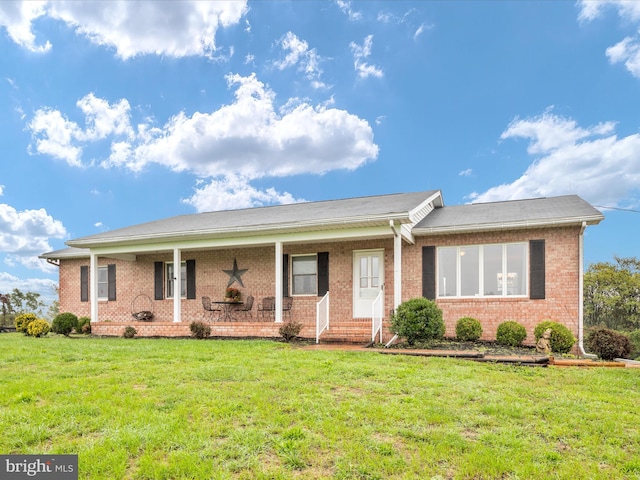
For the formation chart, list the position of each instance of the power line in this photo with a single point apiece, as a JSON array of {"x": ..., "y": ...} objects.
[{"x": 617, "y": 208}]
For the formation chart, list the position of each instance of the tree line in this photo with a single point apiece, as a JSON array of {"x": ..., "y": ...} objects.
[
  {"x": 612, "y": 294},
  {"x": 18, "y": 302}
]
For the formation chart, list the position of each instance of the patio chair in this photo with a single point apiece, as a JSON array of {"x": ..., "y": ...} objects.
[
  {"x": 267, "y": 305},
  {"x": 287, "y": 303},
  {"x": 245, "y": 308},
  {"x": 209, "y": 308}
]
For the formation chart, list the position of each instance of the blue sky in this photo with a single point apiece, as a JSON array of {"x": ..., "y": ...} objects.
[{"x": 117, "y": 113}]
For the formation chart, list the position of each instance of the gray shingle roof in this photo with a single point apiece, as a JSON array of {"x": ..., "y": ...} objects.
[
  {"x": 310, "y": 215},
  {"x": 568, "y": 209}
]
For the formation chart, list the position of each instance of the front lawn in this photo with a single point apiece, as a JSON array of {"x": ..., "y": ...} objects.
[{"x": 187, "y": 409}]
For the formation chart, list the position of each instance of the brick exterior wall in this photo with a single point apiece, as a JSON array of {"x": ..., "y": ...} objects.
[
  {"x": 135, "y": 278},
  {"x": 562, "y": 294}
]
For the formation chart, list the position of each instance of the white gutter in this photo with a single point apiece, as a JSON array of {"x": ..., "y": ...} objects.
[
  {"x": 478, "y": 227},
  {"x": 581, "y": 294}
]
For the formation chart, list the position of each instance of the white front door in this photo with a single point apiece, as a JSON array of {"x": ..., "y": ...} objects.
[{"x": 368, "y": 279}]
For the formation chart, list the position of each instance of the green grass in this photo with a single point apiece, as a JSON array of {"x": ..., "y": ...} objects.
[{"x": 187, "y": 409}]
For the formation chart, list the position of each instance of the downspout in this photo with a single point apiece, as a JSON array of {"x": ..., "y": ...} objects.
[{"x": 581, "y": 294}]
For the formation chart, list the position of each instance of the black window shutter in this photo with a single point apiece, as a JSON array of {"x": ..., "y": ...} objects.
[
  {"x": 111, "y": 278},
  {"x": 536, "y": 269},
  {"x": 429, "y": 272},
  {"x": 84, "y": 283},
  {"x": 323, "y": 273},
  {"x": 191, "y": 279},
  {"x": 285, "y": 274},
  {"x": 158, "y": 275}
]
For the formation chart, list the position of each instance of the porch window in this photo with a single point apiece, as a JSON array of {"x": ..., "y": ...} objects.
[
  {"x": 183, "y": 278},
  {"x": 482, "y": 270},
  {"x": 103, "y": 283},
  {"x": 304, "y": 273}
]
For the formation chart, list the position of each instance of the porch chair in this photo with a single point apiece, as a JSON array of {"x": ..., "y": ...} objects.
[
  {"x": 267, "y": 305},
  {"x": 245, "y": 308},
  {"x": 287, "y": 303},
  {"x": 209, "y": 308}
]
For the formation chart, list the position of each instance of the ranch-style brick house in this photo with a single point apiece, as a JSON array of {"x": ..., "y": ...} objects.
[{"x": 345, "y": 264}]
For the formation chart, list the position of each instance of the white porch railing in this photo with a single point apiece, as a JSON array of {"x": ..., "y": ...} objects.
[
  {"x": 322, "y": 316},
  {"x": 377, "y": 310}
]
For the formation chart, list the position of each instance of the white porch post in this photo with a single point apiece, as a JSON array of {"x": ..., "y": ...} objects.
[
  {"x": 93, "y": 286},
  {"x": 279, "y": 287},
  {"x": 177, "y": 285},
  {"x": 397, "y": 269}
]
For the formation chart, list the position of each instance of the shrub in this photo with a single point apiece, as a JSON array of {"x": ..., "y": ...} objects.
[
  {"x": 86, "y": 329},
  {"x": 290, "y": 330},
  {"x": 562, "y": 340},
  {"x": 64, "y": 323},
  {"x": 38, "y": 328},
  {"x": 129, "y": 332},
  {"x": 608, "y": 344},
  {"x": 510, "y": 333},
  {"x": 418, "y": 319},
  {"x": 200, "y": 330},
  {"x": 634, "y": 338},
  {"x": 23, "y": 320},
  {"x": 82, "y": 322},
  {"x": 468, "y": 329}
]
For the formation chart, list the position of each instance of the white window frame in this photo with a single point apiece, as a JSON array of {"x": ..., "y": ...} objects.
[
  {"x": 293, "y": 283},
  {"x": 481, "y": 289},
  {"x": 183, "y": 278},
  {"x": 105, "y": 283}
]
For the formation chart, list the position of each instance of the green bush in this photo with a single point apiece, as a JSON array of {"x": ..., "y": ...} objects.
[
  {"x": 82, "y": 323},
  {"x": 562, "y": 340},
  {"x": 129, "y": 332},
  {"x": 511, "y": 333},
  {"x": 23, "y": 320},
  {"x": 634, "y": 338},
  {"x": 418, "y": 319},
  {"x": 64, "y": 323},
  {"x": 468, "y": 329},
  {"x": 38, "y": 328},
  {"x": 290, "y": 330},
  {"x": 200, "y": 330},
  {"x": 608, "y": 344}
]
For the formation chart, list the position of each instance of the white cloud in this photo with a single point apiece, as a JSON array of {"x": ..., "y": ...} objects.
[
  {"x": 626, "y": 51},
  {"x": 466, "y": 173},
  {"x": 233, "y": 192},
  {"x": 568, "y": 159},
  {"x": 55, "y": 135},
  {"x": 359, "y": 54},
  {"x": 345, "y": 6},
  {"x": 17, "y": 16},
  {"x": 249, "y": 137},
  {"x": 44, "y": 286},
  {"x": 172, "y": 28},
  {"x": 592, "y": 9},
  {"x": 25, "y": 234},
  {"x": 299, "y": 54}
]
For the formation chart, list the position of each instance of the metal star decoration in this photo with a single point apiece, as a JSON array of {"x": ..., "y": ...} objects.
[{"x": 235, "y": 275}]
